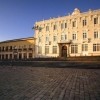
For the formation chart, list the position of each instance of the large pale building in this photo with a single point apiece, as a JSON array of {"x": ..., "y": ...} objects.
[
  {"x": 23, "y": 48},
  {"x": 76, "y": 34}
]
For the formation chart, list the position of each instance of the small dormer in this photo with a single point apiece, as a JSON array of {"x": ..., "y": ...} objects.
[{"x": 76, "y": 11}]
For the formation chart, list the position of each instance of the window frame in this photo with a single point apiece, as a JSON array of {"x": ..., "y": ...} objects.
[
  {"x": 74, "y": 48},
  {"x": 46, "y": 49},
  {"x": 54, "y": 49},
  {"x": 84, "y": 47}
]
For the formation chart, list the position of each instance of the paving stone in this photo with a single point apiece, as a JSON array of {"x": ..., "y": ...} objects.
[{"x": 38, "y": 83}]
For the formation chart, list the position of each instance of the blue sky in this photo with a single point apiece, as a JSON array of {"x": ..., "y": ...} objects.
[{"x": 17, "y": 17}]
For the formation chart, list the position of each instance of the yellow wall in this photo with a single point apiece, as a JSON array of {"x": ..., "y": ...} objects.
[{"x": 20, "y": 46}]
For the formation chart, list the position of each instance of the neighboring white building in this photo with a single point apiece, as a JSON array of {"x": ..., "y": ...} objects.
[{"x": 77, "y": 34}]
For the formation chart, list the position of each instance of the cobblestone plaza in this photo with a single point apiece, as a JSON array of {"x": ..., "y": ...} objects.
[{"x": 39, "y": 83}]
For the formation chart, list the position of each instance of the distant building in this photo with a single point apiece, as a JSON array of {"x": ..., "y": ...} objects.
[
  {"x": 77, "y": 34},
  {"x": 23, "y": 48}
]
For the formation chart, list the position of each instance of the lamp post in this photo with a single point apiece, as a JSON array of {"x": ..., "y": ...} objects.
[{"x": 36, "y": 27}]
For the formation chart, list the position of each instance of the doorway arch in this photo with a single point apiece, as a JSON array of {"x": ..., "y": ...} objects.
[{"x": 64, "y": 51}]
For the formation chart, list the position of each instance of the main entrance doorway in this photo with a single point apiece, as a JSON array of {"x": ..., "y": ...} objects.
[{"x": 64, "y": 51}]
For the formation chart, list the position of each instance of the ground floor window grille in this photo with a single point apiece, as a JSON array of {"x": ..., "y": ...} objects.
[
  {"x": 74, "y": 48},
  {"x": 6, "y": 56},
  {"x": 96, "y": 47},
  {"x": 25, "y": 55},
  {"x": 54, "y": 49},
  {"x": 46, "y": 49},
  {"x": 15, "y": 56},
  {"x": 84, "y": 47},
  {"x": 30, "y": 55},
  {"x": 10, "y": 56},
  {"x": 2, "y": 56},
  {"x": 20, "y": 56}
]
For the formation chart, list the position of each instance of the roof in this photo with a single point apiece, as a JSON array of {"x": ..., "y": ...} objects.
[
  {"x": 75, "y": 12},
  {"x": 20, "y": 39}
]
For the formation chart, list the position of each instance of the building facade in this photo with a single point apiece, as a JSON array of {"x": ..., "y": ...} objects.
[
  {"x": 77, "y": 34},
  {"x": 17, "y": 49}
]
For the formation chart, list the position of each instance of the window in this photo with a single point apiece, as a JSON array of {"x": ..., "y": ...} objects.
[
  {"x": 74, "y": 36},
  {"x": 25, "y": 56},
  {"x": 54, "y": 49},
  {"x": 3, "y": 56},
  {"x": 54, "y": 38},
  {"x": 46, "y": 49},
  {"x": 65, "y": 25},
  {"x": 96, "y": 47},
  {"x": 7, "y": 48},
  {"x": 6, "y": 56},
  {"x": 62, "y": 25},
  {"x": 84, "y": 47},
  {"x": 39, "y": 28},
  {"x": 30, "y": 55},
  {"x": 84, "y": 22},
  {"x": 20, "y": 48},
  {"x": 20, "y": 56},
  {"x": 84, "y": 35},
  {"x": 30, "y": 47},
  {"x": 10, "y": 47},
  {"x": 96, "y": 20},
  {"x": 54, "y": 27},
  {"x": 15, "y": 56},
  {"x": 0, "y": 48},
  {"x": 47, "y": 28},
  {"x": 24, "y": 47},
  {"x": 74, "y": 24},
  {"x": 74, "y": 48},
  {"x": 3, "y": 48},
  {"x": 47, "y": 39},
  {"x": 10, "y": 56},
  {"x": 96, "y": 34},
  {"x": 63, "y": 37},
  {"x": 39, "y": 50}
]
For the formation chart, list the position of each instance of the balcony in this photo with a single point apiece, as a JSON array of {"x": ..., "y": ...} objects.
[
  {"x": 2, "y": 50},
  {"x": 19, "y": 50},
  {"x": 65, "y": 41},
  {"x": 24, "y": 49},
  {"x": 30, "y": 49},
  {"x": 10, "y": 50},
  {"x": 14, "y": 50}
]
